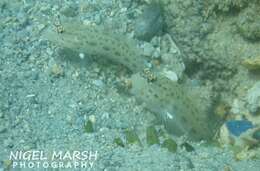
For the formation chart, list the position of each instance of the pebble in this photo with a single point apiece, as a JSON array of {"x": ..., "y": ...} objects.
[
  {"x": 41, "y": 27},
  {"x": 171, "y": 75},
  {"x": 241, "y": 133},
  {"x": 81, "y": 55},
  {"x": 253, "y": 98},
  {"x": 148, "y": 49},
  {"x": 156, "y": 53},
  {"x": 237, "y": 127},
  {"x": 150, "y": 23},
  {"x": 92, "y": 118},
  {"x": 57, "y": 71},
  {"x": 98, "y": 83}
]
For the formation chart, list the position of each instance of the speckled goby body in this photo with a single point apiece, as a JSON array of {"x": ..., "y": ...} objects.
[
  {"x": 180, "y": 111},
  {"x": 95, "y": 41}
]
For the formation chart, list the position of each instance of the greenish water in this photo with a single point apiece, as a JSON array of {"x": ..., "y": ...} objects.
[{"x": 129, "y": 85}]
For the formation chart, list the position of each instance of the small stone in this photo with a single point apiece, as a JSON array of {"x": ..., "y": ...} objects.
[
  {"x": 118, "y": 141},
  {"x": 187, "y": 147},
  {"x": 57, "y": 71},
  {"x": 170, "y": 75},
  {"x": 156, "y": 53},
  {"x": 41, "y": 27},
  {"x": 245, "y": 154},
  {"x": 92, "y": 118},
  {"x": 81, "y": 55},
  {"x": 237, "y": 127},
  {"x": 98, "y": 83},
  {"x": 253, "y": 98},
  {"x": 105, "y": 116},
  {"x": 169, "y": 46},
  {"x": 170, "y": 144},
  {"x": 96, "y": 70},
  {"x": 148, "y": 49},
  {"x": 167, "y": 58},
  {"x": 152, "y": 136},
  {"x": 89, "y": 127},
  {"x": 150, "y": 23}
]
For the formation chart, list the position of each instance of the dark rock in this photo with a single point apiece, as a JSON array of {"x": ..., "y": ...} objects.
[
  {"x": 170, "y": 144},
  {"x": 187, "y": 147},
  {"x": 150, "y": 23}
]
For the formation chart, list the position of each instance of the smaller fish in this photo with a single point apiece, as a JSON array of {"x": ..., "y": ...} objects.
[{"x": 181, "y": 112}]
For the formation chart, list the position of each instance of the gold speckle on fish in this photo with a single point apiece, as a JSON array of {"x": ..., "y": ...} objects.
[
  {"x": 149, "y": 75},
  {"x": 58, "y": 26}
]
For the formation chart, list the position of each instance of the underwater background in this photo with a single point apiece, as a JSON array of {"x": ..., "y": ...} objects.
[{"x": 158, "y": 85}]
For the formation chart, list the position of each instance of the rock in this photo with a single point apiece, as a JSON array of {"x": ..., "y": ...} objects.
[
  {"x": 156, "y": 53},
  {"x": 240, "y": 133},
  {"x": 150, "y": 23},
  {"x": 171, "y": 55},
  {"x": 170, "y": 144},
  {"x": 237, "y": 127},
  {"x": 253, "y": 99},
  {"x": 148, "y": 49},
  {"x": 98, "y": 83},
  {"x": 187, "y": 147},
  {"x": 237, "y": 107},
  {"x": 57, "y": 71},
  {"x": 170, "y": 75},
  {"x": 169, "y": 46},
  {"x": 118, "y": 141}
]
